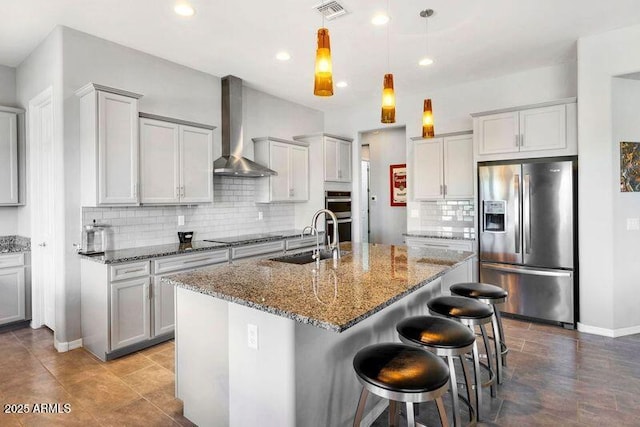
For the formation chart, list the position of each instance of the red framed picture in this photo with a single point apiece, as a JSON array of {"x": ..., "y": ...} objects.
[{"x": 398, "y": 184}]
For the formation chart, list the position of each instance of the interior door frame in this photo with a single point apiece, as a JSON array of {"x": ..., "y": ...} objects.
[{"x": 33, "y": 118}]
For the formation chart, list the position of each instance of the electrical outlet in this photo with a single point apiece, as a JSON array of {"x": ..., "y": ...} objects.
[
  {"x": 260, "y": 216},
  {"x": 180, "y": 219},
  {"x": 415, "y": 213},
  {"x": 252, "y": 336},
  {"x": 633, "y": 224}
]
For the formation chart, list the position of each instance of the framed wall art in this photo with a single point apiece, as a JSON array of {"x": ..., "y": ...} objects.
[
  {"x": 629, "y": 167},
  {"x": 398, "y": 184}
]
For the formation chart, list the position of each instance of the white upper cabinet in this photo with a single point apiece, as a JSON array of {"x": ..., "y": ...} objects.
[
  {"x": 541, "y": 130},
  {"x": 442, "y": 168},
  {"x": 109, "y": 146},
  {"x": 336, "y": 153},
  {"x": 290, "y": 160},
  {"x": 8, "y": 158},
  {"x": 175, "y": 163}
]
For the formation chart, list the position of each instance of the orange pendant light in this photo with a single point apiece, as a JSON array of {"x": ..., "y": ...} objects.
[
  {"x": 323, "y": 82},
  {"x": 427, "y": 120},
  {"x": 388, "y": 100}
]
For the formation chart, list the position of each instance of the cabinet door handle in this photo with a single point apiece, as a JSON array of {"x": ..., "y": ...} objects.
[
  {"x": 150, "y": 291},
  {"x": 445, "y": 189},
  {"x": 517, "y": 138},
  {"x": 181, "y": 191},
  {"x": 441, "y": 190},
  {"x": 178, "y": 192}
]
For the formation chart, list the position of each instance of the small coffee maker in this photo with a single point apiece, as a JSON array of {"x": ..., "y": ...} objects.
[{"x": 94, "y": 239}]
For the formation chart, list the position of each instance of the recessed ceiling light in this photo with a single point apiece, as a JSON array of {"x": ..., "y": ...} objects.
[
  {"x": 283, "y": 56},
  {"x": 184, "y": 9},
  {"x": 425, "y": 61},
  {"x": 342, "y": 84},
  {"x": 380, "y": 19}
]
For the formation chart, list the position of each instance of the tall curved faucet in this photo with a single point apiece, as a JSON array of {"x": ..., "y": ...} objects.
[{"x": 334, "y": 244}]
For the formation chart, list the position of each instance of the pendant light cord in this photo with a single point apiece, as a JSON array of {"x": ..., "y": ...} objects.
[
  {"x": 388, "y": 44},
  {"x": 322, "y": 7},
  {"x": 426, "y": 36}
]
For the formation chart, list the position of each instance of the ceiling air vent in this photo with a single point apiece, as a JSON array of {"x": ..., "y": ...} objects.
[{"x": 331, "y": 9}]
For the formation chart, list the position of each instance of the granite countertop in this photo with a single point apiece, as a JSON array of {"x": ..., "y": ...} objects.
[
  {"x": 148, "y": 252},
  {"x": 335, "y": 296},
  {"x": 12, "y": 244},
  {"x": 439, "y": 235}
]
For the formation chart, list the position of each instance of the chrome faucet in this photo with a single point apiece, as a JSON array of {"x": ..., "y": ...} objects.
[{"x": 334, "y": 244}]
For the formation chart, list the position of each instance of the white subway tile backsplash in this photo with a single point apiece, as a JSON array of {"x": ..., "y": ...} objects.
[
  {"x": 448, "y": 216},
  {"x": 233, "y": 213}
]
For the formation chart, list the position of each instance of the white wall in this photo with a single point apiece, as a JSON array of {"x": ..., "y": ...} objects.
[
  {"x": 626, "y": 127},
  {"x": 386, "y": 222},
  {"x": 452, "y": 106},
  {"x": 606, "y": 295},
  {"x": 8, "y": 215}
]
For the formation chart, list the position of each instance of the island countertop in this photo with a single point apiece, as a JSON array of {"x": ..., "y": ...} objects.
[{"x": 334, "y": 296}]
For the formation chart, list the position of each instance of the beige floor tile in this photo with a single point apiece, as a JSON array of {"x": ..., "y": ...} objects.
[
  {"x": 101, "y": 393},
  {"x": 137, "y": 413},
  {"x": 128, "y": 364},
  {"x": 150, "y": 379}
]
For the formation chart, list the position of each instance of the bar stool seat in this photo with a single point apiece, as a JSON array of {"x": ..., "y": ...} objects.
[
  {"x": 471, "y": 313},
  {"x": 401, "y": 373},
  {"x": 449, "y": 339},
  {"x": 492, "y": 295}
]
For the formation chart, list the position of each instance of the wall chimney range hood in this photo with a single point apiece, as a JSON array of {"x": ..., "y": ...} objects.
[{"x": 231, "y": 163}]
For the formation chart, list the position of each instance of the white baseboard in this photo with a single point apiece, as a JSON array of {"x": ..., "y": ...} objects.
[
  {"x": 612, "y": 333},
  {"x": 371, "y": 416},
  {"x": 63, "y": 347}
]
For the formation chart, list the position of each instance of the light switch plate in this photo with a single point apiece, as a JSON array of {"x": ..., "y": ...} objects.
[
  {"x": 180, "y": 219},
  {"x": 252, "y": 336},
  {"x": 260, "y": 216},
  {"x": 415, "y": 213},
  {"x": 633, "y": 224}
]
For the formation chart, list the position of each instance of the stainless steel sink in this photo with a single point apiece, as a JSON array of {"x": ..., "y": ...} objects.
[{"x": 304, "y": 257}]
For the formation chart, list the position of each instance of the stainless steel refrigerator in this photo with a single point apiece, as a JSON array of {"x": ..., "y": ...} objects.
[{"x": 528, "y": 236}]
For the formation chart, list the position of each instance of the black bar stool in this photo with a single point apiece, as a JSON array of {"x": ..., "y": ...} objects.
[
  {"x": 470, "y": 313},
  {"x": 446, "y": 338},
  {"x": 492, "y": 295},
  {"x": 401, "y": 373}
]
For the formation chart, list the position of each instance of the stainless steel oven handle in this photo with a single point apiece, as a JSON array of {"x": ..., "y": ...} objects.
[
  {"x": 514, "y": 269},
  {"x": 340, "y": 221},
  {"x": 347, "y": 199}
]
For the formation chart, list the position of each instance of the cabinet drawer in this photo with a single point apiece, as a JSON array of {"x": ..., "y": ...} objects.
[
  {"x": 181, "y": 262},
  {"x": 302, "y": 242},
  {"x": 12, "y": 260},
  {"x": 459, "y": 245},
  {"x": 129, "y": 271},
  {"x": 257, "y": 249}
]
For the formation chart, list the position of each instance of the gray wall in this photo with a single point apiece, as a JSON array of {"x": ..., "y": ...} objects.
[
  {"x": 8, "y": 216},
  {"x": 626, "y": 127},
  {"x": 386, "y": 222}
]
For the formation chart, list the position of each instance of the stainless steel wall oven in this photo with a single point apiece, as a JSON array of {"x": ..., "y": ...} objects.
[{"x": 339, "y": 202}]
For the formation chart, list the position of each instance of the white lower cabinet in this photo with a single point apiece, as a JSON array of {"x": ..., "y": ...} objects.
[
  {"x": 461, "y": 274},
  {"x": 163, "y": 307},
  {"x": 130, "y": 314},
  {"x": 14, "y": 278}
]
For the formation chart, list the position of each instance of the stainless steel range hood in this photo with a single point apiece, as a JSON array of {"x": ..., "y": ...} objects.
[{"x": 232, "y": 163}]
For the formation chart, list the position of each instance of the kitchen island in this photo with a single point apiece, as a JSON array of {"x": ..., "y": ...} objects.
[{"x": 271, "y": 343}]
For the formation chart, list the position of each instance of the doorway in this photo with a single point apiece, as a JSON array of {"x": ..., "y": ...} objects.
[
  {"x": 385, "y": 223},
  {"x": 43, "y": 232}
]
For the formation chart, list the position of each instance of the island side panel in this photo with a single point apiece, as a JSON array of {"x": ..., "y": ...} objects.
[
  {"x": 94, "y": 307},
  {"x": 202, "y": 357},
  {"x": 262, "y": 382},
  {"x": 327, "y": 390}
]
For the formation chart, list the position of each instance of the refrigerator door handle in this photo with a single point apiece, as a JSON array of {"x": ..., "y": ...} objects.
[
  {"x": 516, "y": 192},
  {"x": 526, "y": 212},
  {"x": 514, "y": 269}
]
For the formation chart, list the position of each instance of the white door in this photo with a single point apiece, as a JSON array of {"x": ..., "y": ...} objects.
[
  {"x": 163, "y": 307},
  {"x": 12, "y": 304},
  {"x": 427, "y": 170},
  {"x": 196, "y": 158},
  {"x": 364, "y": 204},
  {"x": 159, "y": 162},
  {"x": 498, "y": 133},
  {"x": 279, "y": 162},
  {"x": 130, "y": 316},
  {"x": 543, "y": 128},
  {"x": 331, "y": 159},
  {"x": 118, "y": 149},
  {"x": 458, "y": 167},
  {"x": 42, "y": 200},
  {"x": 299, "y": 173},
  {"x": 8, "y": 159},
  {"x": 344, "y": 161}
]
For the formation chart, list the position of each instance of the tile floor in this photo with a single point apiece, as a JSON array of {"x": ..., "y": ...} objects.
[{"x": 555, "y": 377}]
